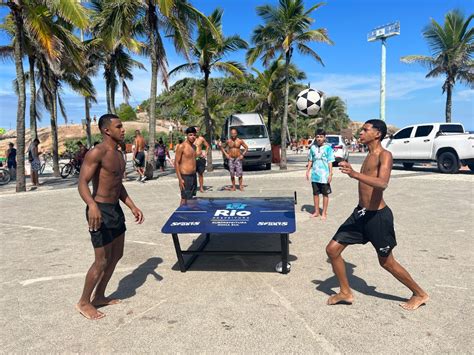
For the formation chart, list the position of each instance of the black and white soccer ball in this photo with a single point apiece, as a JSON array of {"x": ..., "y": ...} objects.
[{"x": 309, "y": 102}]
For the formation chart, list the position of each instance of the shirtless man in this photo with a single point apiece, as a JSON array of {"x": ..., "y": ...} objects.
[
  {"x": 139, "y": 156},
  {"x": 235, "y": 156},
  {"x": 185, "y": 166},
  {"x": 372, "y": 219},
  {"x": 105, "y": 166},
  {"x": 201, "y": 158}
]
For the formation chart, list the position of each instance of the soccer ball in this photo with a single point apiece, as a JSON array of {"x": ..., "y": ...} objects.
[{"x": 309, "y": 102}]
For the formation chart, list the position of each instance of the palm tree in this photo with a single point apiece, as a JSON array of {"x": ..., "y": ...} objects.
[
  {"x": 287, "y": 27},
  {"x": 452, "y": 48},
  {"x": 332, "y": 116},
  {"x": 34, "y": 23},
  {"x": 270, "y": 86},
  {"x": 151, "y": 19},
  {"x": 7, "y": 53},
  {"x": 208, "y": 52},
  {"x": 16, "y": 11}
]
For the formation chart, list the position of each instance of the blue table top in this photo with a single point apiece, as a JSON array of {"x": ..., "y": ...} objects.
[{"x": 233, "y": 215}]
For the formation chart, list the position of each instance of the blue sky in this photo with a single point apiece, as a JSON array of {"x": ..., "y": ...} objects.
[{"x": 352, "y": 65}]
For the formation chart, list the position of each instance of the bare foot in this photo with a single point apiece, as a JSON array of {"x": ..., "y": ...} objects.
[
  {"x": 340, "y": 298},
  {"x": 89, "y": 311},
  {"x": 324, "y": 217},
  {"x": 201, "y": 190},
  {"x": 232, "y": 188},
  {"x": 104, "y": 301},
  {"x": 314, "y": 215},
  {"x": 241, "y": 188},
  {"x": 414, "y": 302}
]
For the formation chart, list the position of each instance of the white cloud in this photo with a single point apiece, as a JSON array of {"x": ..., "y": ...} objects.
[
  {"x": 464, "y": 95},
  {"x": 361, "y": 90}
]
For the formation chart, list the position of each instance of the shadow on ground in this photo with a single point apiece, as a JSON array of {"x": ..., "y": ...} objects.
[
  {"x": 129, "y": 285},
  {"x": 238, "y": 263}
]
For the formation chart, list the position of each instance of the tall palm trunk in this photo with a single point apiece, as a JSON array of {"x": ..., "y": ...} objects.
[
  {"x": 449, "y": 92},
  {"x": 153, "y": 88},
  {"x": 269, "y": 123},
  {"x": 208, "y": 123},
  {"x": 33, "y": 125},
  {"x": 284, "y": 125},
  {"x": 20, "y": 113},
  {"x": 54, "y": 132},
  {"x": 88, "y": 122},
  {"x": 113, "y": 89}
]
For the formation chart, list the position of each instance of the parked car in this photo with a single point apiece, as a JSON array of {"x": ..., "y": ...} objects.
[
  {"x": 341, "y": 150},
  {"x": 447, "y": 144},
  {"x": 252, "y": 130}
]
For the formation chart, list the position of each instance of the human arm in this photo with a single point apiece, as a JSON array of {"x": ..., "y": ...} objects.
[
  {"x": 378, "y": 182},
  {"x": 310, "y": 163},
  {"x": 223, "y": 150},
  {"x": 331, "y": 160},
  {"x": 137, "y": 213},
  {"x": 206, "y": 144},
  {"x": 88, "y": 169},
  {"x": 177, "y": 162},
  {"x": 246, "y": 148}
]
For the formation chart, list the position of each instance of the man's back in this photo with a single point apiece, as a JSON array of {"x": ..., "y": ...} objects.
[{"x": 139, "y": 143}]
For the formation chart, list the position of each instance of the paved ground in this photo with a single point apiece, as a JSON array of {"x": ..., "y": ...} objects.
[{"x": 239, "y": 304}]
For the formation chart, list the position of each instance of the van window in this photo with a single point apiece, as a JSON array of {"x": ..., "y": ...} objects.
[
  {"x": 404, "y": 133},
  {"x": 251, "y": 132},
  {"x": 332, "y": 140},
  {"x": 423, "y": 131},
  {"x": 451, "y": 128}
]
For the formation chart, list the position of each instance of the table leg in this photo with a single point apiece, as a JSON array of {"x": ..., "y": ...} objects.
[
  {"x": 284, "y": 253},
  {"x": 179, "y": 253}
]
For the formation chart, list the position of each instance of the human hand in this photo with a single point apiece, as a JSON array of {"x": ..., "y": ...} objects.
[
  {"x": 329, "y": 179},
  {"x": 138, "y": 214},
  {"x": 346, "y": 168},
  {"x": 95, "y": 218},
  {"x": 181, "y": 184}
]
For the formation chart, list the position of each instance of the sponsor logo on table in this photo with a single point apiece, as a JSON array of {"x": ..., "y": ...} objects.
[
  {"x": 185, "y": 224},
  {"x": 272, "y": 223}
]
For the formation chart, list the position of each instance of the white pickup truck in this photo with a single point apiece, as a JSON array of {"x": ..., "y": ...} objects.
[{"x": 445, "y": 143}]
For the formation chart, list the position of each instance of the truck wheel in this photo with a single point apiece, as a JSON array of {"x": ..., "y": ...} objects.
[
  {"x": 268, "y": 166},
  {"x": 448, "y": 163},
  {"x": 408, "y": 166},
  {"x": 471, "y": 166}
]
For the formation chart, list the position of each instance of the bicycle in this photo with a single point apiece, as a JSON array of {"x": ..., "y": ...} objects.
[
  {"x": 70, "y": 168},
  {"x": 5, "y": 176},
  {"x": 47, "y": 160}
]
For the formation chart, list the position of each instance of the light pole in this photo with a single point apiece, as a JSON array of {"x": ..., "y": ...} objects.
[{"x": 382, "y": 33}]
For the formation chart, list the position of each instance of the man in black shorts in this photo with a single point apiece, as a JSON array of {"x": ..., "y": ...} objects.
[
  {"x": 185, "y": 166},
  {"x": 201, "y": 158},
  {"x": 372, "y": 220},
  {"x": 105, "y": 166}
]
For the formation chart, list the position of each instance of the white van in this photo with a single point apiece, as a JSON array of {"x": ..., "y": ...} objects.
[{"x": 252, "y": 130}]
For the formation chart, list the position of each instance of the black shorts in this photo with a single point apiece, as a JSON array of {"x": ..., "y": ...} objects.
[
  {"x": 113, "y": 224},
  {"x": 161, "y": 162},
  {"x": 140, "y": 159},
  {"x": 319, "y": 188},
  {"x": 200, "y": 165},
  {"x": 369, "y": 226},
  {"x": 11, "y": 164},
  {"x": 190, "y": 186}
]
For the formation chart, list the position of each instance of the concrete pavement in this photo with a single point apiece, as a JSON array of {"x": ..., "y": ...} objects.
[{"x": 239, "y": 304}]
